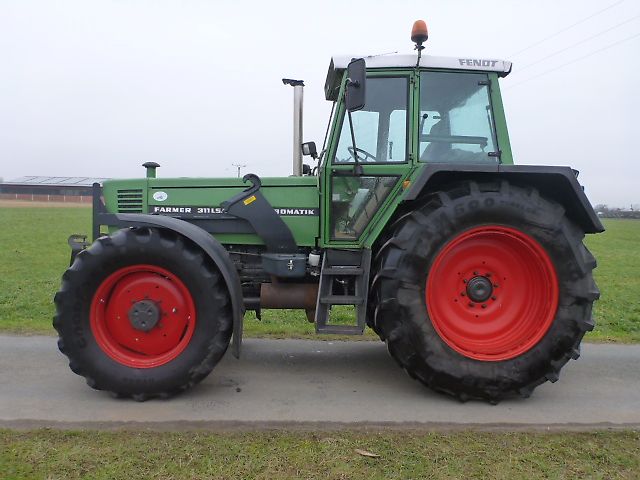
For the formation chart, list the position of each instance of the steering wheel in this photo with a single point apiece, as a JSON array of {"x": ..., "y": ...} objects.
[{"x": 363, "y": 152}]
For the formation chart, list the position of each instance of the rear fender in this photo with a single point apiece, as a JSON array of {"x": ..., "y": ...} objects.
[{"x": 556, "y": 183}]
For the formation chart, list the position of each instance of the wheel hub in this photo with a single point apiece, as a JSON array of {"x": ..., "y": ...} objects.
[
  {"x": 144, "y": 315},
  {"x": 479, "y": 289},
  {"x": 492, "y": 293}
]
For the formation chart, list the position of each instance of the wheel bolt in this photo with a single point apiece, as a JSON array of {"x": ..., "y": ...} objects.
[
  {"x": 475, "y": 273},
  {"x": 471, "y": 304},
  {"x": 462, "y": 294},
  {"x": 495, "y": 285},
  {"x": 464, "y": 280},
  {"x": 493, "y": 298},
  {"x": 484, "y": 305}
]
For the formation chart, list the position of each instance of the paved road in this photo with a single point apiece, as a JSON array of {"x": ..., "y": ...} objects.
[{"x": 314, "y": 384}]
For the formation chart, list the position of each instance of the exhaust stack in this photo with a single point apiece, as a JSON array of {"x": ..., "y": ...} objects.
[{"x": 298, "y": 96}]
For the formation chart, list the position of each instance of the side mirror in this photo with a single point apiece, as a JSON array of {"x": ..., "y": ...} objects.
[
  {"x": 356, "y": 81},
  {"x": 309, "y": 149},
  {"x": 306, "y": 169}
]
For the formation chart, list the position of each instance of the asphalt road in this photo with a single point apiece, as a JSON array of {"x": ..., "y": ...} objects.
[{"x": 314, "y": 384}]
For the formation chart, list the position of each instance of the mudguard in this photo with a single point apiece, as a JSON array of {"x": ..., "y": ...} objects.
[
  {"x": 557, "y": 183},
  {"x": 211, "y": 247}
]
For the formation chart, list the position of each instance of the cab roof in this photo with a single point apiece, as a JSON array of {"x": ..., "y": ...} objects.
[{"x": 339, "y": 64}]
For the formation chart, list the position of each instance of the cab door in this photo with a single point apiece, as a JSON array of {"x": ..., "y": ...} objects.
[{"x": 385, "y": 145}]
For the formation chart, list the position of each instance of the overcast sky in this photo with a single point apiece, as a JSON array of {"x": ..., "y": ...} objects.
[{"x": 96, "y": 88}]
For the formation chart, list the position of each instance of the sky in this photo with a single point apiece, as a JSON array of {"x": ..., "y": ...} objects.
[{"x": 96, "y": 88}]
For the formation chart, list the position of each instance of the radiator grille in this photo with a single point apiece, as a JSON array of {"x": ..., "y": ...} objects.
[{"x": 130, "y": 201}]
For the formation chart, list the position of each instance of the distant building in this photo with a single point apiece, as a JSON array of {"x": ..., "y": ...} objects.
[{"x": 49, "y": 189}]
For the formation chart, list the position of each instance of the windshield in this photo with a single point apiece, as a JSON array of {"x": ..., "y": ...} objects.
[{"x": 456, "y": 120}]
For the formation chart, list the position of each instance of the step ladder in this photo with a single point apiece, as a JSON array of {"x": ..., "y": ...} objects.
[{"x": 343, "y": 270}]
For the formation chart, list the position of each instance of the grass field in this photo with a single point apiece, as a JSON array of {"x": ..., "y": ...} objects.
[
  {"x": 323, "y": 455},
  {"x": 34, "y": 254}
]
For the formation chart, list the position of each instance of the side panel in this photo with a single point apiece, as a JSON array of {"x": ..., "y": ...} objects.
[{"x": 296, "y": 200}]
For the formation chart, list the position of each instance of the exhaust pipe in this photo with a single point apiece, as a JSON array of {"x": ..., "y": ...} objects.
[
  {"x": 290, "y": 295},
  {"x": 298, "y": 97}
]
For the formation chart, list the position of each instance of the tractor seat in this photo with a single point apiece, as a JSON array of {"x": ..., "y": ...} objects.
[{"x": 437, "y": 151}]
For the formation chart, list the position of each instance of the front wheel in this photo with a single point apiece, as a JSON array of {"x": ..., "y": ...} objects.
[
  {"x": 485, "y": 291},
  {"x": 143, "y": 313}
]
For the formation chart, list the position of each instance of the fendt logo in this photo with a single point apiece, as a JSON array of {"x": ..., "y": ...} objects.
[
  {"x": 474, "y": 62},
  {"x": 160, "y": 196}
]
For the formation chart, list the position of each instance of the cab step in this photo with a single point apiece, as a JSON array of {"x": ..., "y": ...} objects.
[
  {"x": 344, "y": 280},
  {"x": 343, "y": 270},
  {"x": 342, "y": 300}
]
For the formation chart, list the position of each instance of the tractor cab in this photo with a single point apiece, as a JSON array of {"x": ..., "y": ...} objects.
[{"x": 393, "y": 114}]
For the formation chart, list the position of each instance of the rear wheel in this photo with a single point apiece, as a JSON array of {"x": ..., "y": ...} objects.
[
  {"x": 485, "y": 291},
  {"x": 143, "y": 313}
]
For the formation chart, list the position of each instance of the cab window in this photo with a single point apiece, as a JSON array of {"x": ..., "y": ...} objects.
[
  {"x": 380, "y": 129},
  {"x": 456, "y": 121},
  {"x": 355, "y": 201}
]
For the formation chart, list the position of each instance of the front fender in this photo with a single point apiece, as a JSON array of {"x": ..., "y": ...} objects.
[{"x": 210, "y": 246}]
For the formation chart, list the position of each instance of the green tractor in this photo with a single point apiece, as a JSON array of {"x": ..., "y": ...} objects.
[{"x": 470, "y": 268}]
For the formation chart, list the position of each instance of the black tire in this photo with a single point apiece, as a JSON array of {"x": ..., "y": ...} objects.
[
  {"x": 173, "y": 253},
  {"x": 403, "y": 263}
]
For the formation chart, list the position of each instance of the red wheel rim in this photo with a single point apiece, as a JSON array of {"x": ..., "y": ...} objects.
[
  {"x": 111, "y": 310},
  {"x": 492, "y": 293}
]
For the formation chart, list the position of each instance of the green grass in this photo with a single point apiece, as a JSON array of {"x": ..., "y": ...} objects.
[
  {"x": 617, "y": 251},
  {"x": 320, "y": 455},
  {"x": 34, "y": 253}
]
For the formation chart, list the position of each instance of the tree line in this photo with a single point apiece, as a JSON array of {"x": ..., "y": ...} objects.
[{"x": 613, "y": 212}]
